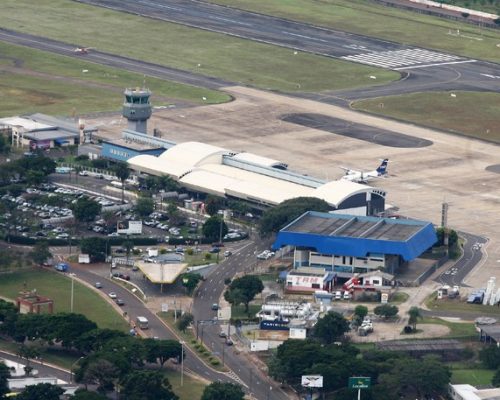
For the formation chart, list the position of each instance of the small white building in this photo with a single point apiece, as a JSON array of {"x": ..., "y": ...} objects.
[
  {"x": 309, "y": 280},
  {"x": 376, "y": 278},
  {"x": 469, "y": 392}
]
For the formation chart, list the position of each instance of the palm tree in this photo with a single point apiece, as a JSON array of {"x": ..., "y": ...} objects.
[
  {"x": 414, "y": 313},
  {"x": 122, "y": 172}
]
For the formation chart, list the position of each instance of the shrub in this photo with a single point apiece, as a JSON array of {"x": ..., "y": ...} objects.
[{"x": 215, "y": 362}]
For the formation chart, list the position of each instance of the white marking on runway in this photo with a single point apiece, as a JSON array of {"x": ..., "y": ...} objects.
[{"x": 304, "y": 37}]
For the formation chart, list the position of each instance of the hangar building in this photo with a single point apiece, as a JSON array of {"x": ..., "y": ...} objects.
[
  {"x": 258, "y": 180},
  {"x": 347, "y": 244}
]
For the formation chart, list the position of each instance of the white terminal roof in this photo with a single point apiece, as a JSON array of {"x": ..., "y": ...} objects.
[
  {"x": 200, "y": 167},
  {"x": 161, "y": 273},
  {"x": 255, "y": 159},
  {"x": 468, "y": 392},
  {"x": 26, "y": 123}
]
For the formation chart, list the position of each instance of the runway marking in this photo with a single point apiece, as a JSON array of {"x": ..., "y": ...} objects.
[
  {"x": 438, "y": 65},
  {"x": 406, "y": 58},
  {"x": 304, "y": 37},
  {"x": 229, "y": 20}
]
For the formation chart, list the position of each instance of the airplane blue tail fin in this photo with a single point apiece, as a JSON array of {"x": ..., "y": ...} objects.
[{"x": 382, "y": 169}]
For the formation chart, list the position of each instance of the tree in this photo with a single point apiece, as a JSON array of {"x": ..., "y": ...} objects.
[
  {"x": 8, "y": 318},
  {"x": 146, "y": 385},
  {"x": 28, "y": 353},
  {"x": 276, "y": 218},
  {"x": 4, "y": 376},
  {"x": 110, "y": 219},
  {"x": 95, "y": 247},
  {"x": 144, "y": 206},
  {"x": 214, "y": 228},
  {"x": 4, "y": 145},
  {"x": 101, "y": 373},
  {"x": 85, "y": 209},
  {"x": 212, "y": 205},
  {"x": 361, "y": 311},
  {"x": 495, "y": 381},
  {"x": 162, "y": 350},
  {"x": 490, "y": 357},
  {"x": 184, "y": 321},
  {"x": 223, "y": 391},
  {"x": 331, "y": 327},
  {"x": 40, "y": 253},
  {"x": 190, "y": 281},
  {"x": 414, "y": 313},
  {"x": 386, "y": 310},
  {"x": 95, "y": 339},
  {"x": 122, "y": 172},
  {"x": 42, "y": 391},
  {"x": 82, "y": 394},
  {"x": 243, "y": 290}
]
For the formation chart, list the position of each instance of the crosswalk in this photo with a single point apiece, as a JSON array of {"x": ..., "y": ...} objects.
[{"x": 406, "y": 58}]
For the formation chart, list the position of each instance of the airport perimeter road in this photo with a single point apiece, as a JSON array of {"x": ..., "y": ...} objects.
[
  {"x": 421, "y": 69},
  {"x": 134, "y": 308},
  {"x": 255, "y": 382},
  {"x": 111, "y": 60}
]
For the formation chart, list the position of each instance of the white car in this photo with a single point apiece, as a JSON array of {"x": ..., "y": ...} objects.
[{"x": 112, "y": 295}]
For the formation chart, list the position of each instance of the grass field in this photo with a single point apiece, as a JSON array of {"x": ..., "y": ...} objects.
[
  {"x": 35, "y": 81},
  {"x": 58, "y": 288},
  {"x": 472, "y": 114},
  {"x": 238, "y": 312},
  {"x": 459, "y": 306},
  {"x": 213, "y": 54},
  {"x": 367, "y": 18},
  {"x": 474, "y": 377},
  {"x": 399, "y": 297}
]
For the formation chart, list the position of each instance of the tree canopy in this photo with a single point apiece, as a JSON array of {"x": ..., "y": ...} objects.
[
  {"x": 243, "y": 290},
  {"x": 277, "y": 217},
  {"x": 386, "y": 310},
  {"x": 122, "y": 173},
  {"x": 190, "y": 280},
  {"x": 40, "y": 253},
  {"x": 95, "y": 247},
  {"x": 331, "y": 327},
  {"x": 146, "y": 385},
  {"x": 214, "y": 228},
  {"x": 4, "y": 375},
  {"x": 85, "y": 209},
  {"x": 144, "y": 206},
  {"x": 223, "y": 391},
  {"x": 42, "y": 391}
]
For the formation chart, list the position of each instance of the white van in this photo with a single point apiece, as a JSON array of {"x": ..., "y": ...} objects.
[
  {"x": 338, "y": 295},
  {"x": 347, "y": 295},
  {"x": 142, "y": 322}
]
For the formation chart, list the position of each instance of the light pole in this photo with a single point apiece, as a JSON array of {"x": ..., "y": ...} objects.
[
  {"x": 72, "y": 289},
  {"x": 182, "y": 362},
  {"x": 71, "y": 370}
]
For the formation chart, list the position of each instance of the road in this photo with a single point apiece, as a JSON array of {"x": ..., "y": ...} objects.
[
  {"x": 243, "y": 260},
  {"x": 134, "y": 308},
  {"x": 421, "y": 69}
]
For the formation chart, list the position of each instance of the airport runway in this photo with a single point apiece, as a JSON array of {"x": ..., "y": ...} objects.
[
  {"x": 421, "y": 69},
  {"x": 112, "y": 60}
]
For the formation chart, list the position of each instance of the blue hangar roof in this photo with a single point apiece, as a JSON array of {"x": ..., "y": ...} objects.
[{"x": 357, "y": 236}]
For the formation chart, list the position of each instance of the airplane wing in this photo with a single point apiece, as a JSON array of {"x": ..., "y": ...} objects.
[{"x": 346, "y": 169}]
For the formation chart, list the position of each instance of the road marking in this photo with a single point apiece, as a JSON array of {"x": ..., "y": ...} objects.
[
  {"x": 491, "y": 76},
  {"x": 304, "y": 37}
]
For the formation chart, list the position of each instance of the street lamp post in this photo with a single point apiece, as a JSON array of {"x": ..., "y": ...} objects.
[
  {"x": 71, "y": 369},
  {"x": 72, "y": 290},
  {"x": 182, "y": 362}
]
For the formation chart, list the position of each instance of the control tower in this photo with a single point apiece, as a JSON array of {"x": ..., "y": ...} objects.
[{"x": 137, "y": 109}]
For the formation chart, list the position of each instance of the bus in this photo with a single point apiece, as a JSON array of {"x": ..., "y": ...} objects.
[
  {"x": 142, "y": 322},
  {"x": 63, "y": 170},
  {"x": 116, "y": 184}
]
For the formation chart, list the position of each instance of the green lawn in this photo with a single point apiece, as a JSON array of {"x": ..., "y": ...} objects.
[
  {"x": 399, "y": 297},
  {"x": 213, "y": 54},
  {"x": 368, "y": 18},
  {"x": 35, "y": 81},
  {"x": 458, "y": 306},
  {"x": 474, "y": 377},
  {"x": 58, "y": 288},
  {"x": 238, "y": 312},
  {"x": 473, "y": 114},
  {"x": 457, "y": 329},
  {"x": 192, "y": 389}
]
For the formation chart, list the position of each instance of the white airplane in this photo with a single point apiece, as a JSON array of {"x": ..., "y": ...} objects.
[
  {"x": 82, "y": 50},
  {"x": 363, "y": 177}
]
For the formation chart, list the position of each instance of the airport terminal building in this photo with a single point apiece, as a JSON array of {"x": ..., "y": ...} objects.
[
  {"x": 347, "y": 244},
  {"x": 258, "y": 180}
]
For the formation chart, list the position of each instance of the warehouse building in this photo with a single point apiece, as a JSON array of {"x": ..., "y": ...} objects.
[{"x": 347, "y": 244}]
